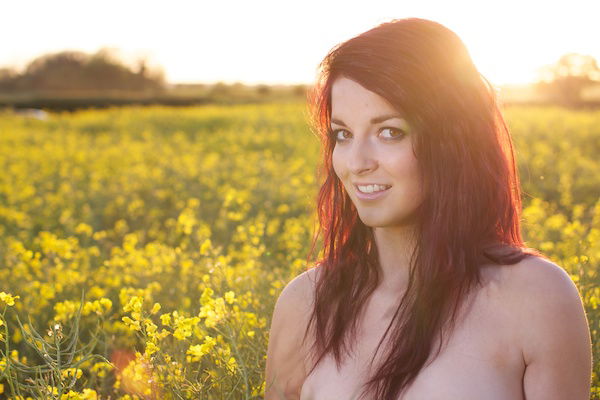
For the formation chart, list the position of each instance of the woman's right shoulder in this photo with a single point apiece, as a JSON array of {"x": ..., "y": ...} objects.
[
  {"x": 300, "y": 290},
  {"x": 287, "y": 366}
]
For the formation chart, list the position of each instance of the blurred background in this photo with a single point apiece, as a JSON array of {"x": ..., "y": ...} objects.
[{"x": 63, "y": 54}]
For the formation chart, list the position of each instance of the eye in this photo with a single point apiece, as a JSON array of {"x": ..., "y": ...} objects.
[
  {"x": 399, "y": 132},
  {"x": 334, "y": 134}
]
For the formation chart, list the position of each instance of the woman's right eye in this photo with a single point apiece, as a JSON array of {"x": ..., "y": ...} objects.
[{"x": 335, "y": 135}]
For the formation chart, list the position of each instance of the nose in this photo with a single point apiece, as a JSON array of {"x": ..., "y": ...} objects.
[{"x": 361, "y": 158}]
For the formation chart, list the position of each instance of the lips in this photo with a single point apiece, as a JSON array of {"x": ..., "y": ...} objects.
[{"x": 372, "y": 195}]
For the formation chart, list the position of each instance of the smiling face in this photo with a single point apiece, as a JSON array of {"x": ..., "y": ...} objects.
[{"x": 374, "y": 145}]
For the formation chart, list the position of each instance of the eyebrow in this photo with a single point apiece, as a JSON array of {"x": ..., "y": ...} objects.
[{"x": 374, "y": 120}]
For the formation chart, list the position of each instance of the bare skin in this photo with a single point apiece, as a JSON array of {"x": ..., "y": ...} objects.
[
  {"x": 480, "y": 360},
  {"x": 493, "y": 353},
  {"x": 523, "y": 335}
]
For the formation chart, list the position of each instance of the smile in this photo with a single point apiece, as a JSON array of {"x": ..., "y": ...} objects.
[
  {"x": 371, "y": 192},
  {"x": 372, "y": 188}
]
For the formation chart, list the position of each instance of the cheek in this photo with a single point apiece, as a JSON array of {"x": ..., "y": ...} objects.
[{"x": 406, "y": 171}]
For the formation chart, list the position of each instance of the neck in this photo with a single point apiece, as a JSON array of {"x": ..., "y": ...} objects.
[{"x": 394, "y": 247}]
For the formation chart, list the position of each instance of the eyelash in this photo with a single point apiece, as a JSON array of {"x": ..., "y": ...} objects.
[{"x": 334, "y": 132}]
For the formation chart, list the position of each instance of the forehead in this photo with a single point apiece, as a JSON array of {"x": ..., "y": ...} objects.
[{"x": 348, "y": 97}]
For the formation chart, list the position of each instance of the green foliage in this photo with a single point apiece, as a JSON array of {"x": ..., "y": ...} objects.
[{"x": 60, "y": 360}]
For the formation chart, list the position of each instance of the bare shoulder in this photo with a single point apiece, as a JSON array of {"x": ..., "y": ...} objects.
[
  {"x": 553, "y": 330},
  {"x": 541, "y": 272},
  {"x": 540, "y": 288},
  {"x": 527, "y": 282},
  {"x": 301, "y": 288},
  {"x": 286, "y": 365}
]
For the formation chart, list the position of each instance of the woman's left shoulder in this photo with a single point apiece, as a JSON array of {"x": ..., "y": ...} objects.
[
  {"x": 553, "y": 328},
  {"x": 536, "y": 278},
  {"x": 529, "y": 279},
  {"x": 552, "y": 323}
]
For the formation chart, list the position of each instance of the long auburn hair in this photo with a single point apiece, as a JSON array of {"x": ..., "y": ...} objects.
[{"x": 470, "y": 212}]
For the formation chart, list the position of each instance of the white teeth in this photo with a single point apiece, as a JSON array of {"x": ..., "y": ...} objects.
[{"x": 372, "y": 188}]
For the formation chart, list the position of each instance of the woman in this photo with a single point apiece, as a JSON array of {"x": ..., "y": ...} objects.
[{"x": 425, "y": 289}]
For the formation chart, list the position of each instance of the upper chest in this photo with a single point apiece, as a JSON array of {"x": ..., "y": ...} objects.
[{"x": 480, "y": 359}]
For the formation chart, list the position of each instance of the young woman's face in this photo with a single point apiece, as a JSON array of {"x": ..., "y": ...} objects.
[{"x": 374, "y": 145}]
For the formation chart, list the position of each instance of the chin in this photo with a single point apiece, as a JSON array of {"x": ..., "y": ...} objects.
[
  {"x": 374, "y": 221},
  {"x": 385, "y": 221}
]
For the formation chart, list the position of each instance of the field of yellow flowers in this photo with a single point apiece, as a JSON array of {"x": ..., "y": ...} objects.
[{"x": 143, "y": 249}]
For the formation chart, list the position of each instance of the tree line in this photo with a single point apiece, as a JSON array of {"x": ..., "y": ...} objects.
[
  {"x": 564, "y": 81},
  {"x": 69, "y": 71},
  {"x": 73, "y": 72}
]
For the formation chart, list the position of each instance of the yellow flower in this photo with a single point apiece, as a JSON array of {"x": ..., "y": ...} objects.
[
  {"x": 183, "y": 327},
  {"x": 206, "y": 297},
  {"x": 150, "y": 327},
  {"x": 197, "y": 351},
  {"x": 133, "y": 325},
  {"x": 89, "y": 394},
  {"x": 72, "y": 372},
  {"x": 106, "y": 303},
  {"x": 231, "y": 365},
  {"x": 97, "y": 306},
  {"x": 209, "y": 344},
  {"x": 214, "y": 311},
  {"x": 85, "y": 229},
  {"x": 52, "y": 389},
  {"x": 66, "y": 309},
  {"x": 230, "y": 297},
  {"x": 8, "y": 299},
  {"x": 101, "y": 368},
  {"x": 151, "y": 348},
  {"x": 165, "y": 319},
  {"x": 134, "y": 304},
  {"x": 155, "y": 308},
  {"x": 205, "y": 247}
]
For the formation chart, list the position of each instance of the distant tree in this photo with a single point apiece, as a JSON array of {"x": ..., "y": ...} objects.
[
  {"x": 7, "y": 79},
  {"x": 299, "y": 90},
  {"x": 75, "y": 70},
  {"x": 564, "y": 81},
  {"x": 220, "y": 89},
  {"x": 263, "y": 90},
  {"x": 141, "y": 67},
  {"x": 57, "y": 71}
]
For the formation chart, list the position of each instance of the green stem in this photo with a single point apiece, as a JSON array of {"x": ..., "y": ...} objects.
[{"x": 241, "y": 361}]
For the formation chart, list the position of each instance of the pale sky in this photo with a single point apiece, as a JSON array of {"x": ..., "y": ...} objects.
[{"x": 277, "y": 41}]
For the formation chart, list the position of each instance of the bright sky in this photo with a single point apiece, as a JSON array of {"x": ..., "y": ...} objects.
[{"x": 278, "y": 41}]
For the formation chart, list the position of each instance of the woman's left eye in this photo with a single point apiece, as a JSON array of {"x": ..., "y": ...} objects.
[{"x": 399, "y": 133}]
